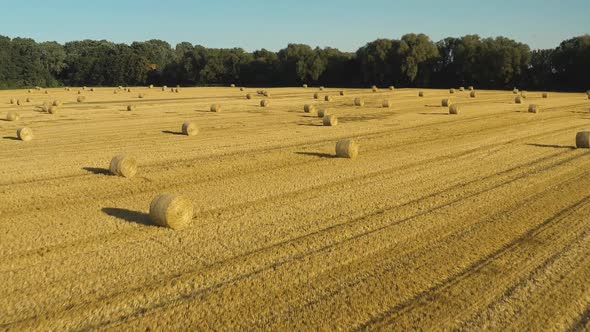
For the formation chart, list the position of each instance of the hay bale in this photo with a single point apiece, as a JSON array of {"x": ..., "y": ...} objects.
[
  {"x": 25, "y": 134},
  {"x": 533, "y": 108},
  {"x": 189, "y": 129},
  {"x": 81, "y": 99},
  {"x": 120, "y": 87},
  {"x": 123, "y": 165},
  {"x": 359, "y": 102},
  {"x": 91, "y": 89},
  {"x": 264, "y": 103},
  {"x": 420, "y": 93},
  {"x": 266, "y": 93},
  {"x": 461, "y": 88},
  {"x": 131, "y": 108},
  {"x": 515, "y": 91},
  {"x": 56, "y": 103},
  {"x": 374, "y": 88},
  {"x": 242, "y": 89},
  {"x": 391, "y": 88},
  {"x": 79, "y": 92},
  {"x": 347, "y": 148},
  {"x": 451, "y": 91},
  {"x": 29, "y": 91},
  {"x": 141, "y": 95},
  {"x": 471, "y": 88},
  {"x": 322, "y": 112},
  {"x": 12, "y": 116},
  {"x": 583, "y": 140},
  {"x": 342, "y": 92},
  {"x": 18, "y": 102},
  {"x": 330, "y": 120},
  {"x": 385, "y": 104},
  {"x": 248, "y": 96},
  {"x": 545, "y": 95},
  {"x": 523, "y": 94},
  {"x": 454, "y": 109},
  {"x": 328, "y": 98},
  {"x": 518, "y": 100},
  {"x": 446, "y": 102},
  {"x": 29, "y": 99},
  {"x": 472, "y": 94},
  {"x": 151, "y": 86},
  {"x": 52, "y": 109},
  {"x": 177, "y": 90},
  {"x": 84, "y": 88},
  {"x": 305, "y": 86},
  {"x": 12, "y": 101},
  {"x": 232, "y": 85},
  {"x": 316, "y": 96},
  {"x": 115, "y": 92},
  {"x": 170, "y": 210},
  {"x": 164, "y": 88},
  {"x": 308, "y": 108},
  {"x": 321, "y": 88},
  {"x": 215, "y": 108}
]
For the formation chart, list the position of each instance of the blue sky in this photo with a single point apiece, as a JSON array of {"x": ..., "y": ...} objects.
[{"x": 272, "y": 24}]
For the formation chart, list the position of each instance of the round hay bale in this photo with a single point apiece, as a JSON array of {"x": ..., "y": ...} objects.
[
  {"x": 266, "y": 94},
  {"x": 115, "y": 92},
  {"x": 534, "y": 108},
  {"x": 131, "y": 108},
  {"x": 25, "y": 134},
  {"x": 12, "y": 116},
  {"x": 190, "y": 129},
  {"x": 330, "y": 120},
  {"x": 79, "y": 92},
  {"x": 18, "y": 102},
  {"x": 374, "y": 88},
  {"x": 120, "y": 87},
  {"x": 545, "y": 95},
  {"x": 151, "y": 86},
  {"x": 446, "y": 102},
  {"x": 242, "y": 89},
  {"x": 386, "y": 104},
  {"x": 29, "y": 91},
  {"x": 471, "y": 88},
  {"x": 308, "y": 108},
  {"x": 321, "y": 88},
  {"x": 91, "y": 89},
  {"x": 52, "y": 109},
  {"x": 359, "y": 102},
  {"x": 177, "y": 90},
  {"x": 170, "y": 210},
  {"x": 328, "y": 98},
  {"x": 46, "y": 92},
  {"x": 316, "y": 96},
  {"x": 12, "y": 101},
  {"x": 461, "y": 88},
  {"x": 451, "y": 91},
  {"x": 232, "y": 85},
  {"x": 141, "y": 95},
  {"x": 123, "y": 165},
  {"x": 515, "y": 91},
  {"x": 347, "y": 148},
  {"x": 523, "y": 94},
  {"x": 215, "y": 108},
  {"x": 322, "y": 112},
  {"x": 472, "y": 94},
  {"x": 518, "y": 100},
  {"x": 248, "y": 96},
  {"x": 57, "y": 103},
  {"x": 29, "y": 99},
  {"x": 84, "y": 88},
  {"x": 583, "y": 140},
  {"x": 342, "y": 92},
  {"x": 45, "y": 107},
  {"x": 264, "y": 103},
  {"x": 391, "y": 88},
  {"x": 305, "y": 86},
  {"x": 81, "y": 99},
  {"x": 454, "y": 109},
  {"x": 164, "y": 88},
  {"x": 420, "y": 93}
]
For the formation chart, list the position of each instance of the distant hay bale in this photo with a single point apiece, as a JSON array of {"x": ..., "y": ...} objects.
[
  {"x": 420, "y": 93},
  {"x": 533, "y": 108},
  {"x": 232, "y": 85},
  {"x": 515, "y": 91},
  {"x": 79, "y": 92},
  {"x": 386, "y": 104},
  {"x": 322, "y": 112},
  {"x": 391, "y": 88},
  {"x": 451, "y": 91},
  {"x": 123, "y": 165},
  {"x": 471, "y": 88},
  {"x": 242, "y": 89},
  {"x": 264, "y": 103},
  {"x": 131, "y": 108},
  {"x": 177, "y": 90},
  {"x": 454, "y": 109},
  {"x": 328, "y": 98},
  {"x": 583, "y": 140},
  {"x": 359, "y": 102},
  {"x": 81, "y": 99},
  {"x": 151, "y": 86},
  {"x": 45, "y": 107},
  {"x": 445, "y": 102},
  {"x": 120, "y": 87},
  {"x": 305, "y": 86},
  {"x": 91, "y": 89},
  {"x": 56, "y": 103},
  {"x": 321, "y": 88},
  {"x": 215, "y": 108},
  {"x": 18, "y": 102},
  {"x": 12, "y": 101},
  {"x": 266, "y": 93},
  {"x": 29, "y": 91},
  {"x": 545, "y": 95},
  {"x": 190, "y": 129},
  {"x": 308, "y": 108},
  {"x": 523, "y": 94},
  {"x": 25, "y": 134},
  {"x": 12, "y": 116},
  {"x": 141, "y": 95},
  {"x": 347, "y": 148},
  {"x": 84, "y": 88},
  {"x": 374, "y": 88},
  {"x": 330, "y": 120},
  {"x": 172, "y": 211},
  {"x": 316, "y": 96},
  {"x": 29, "y": 99},
  {"x": 248, "y": 96},
  {"x": 52, "y": 109},
  {"x": 518, "y": 100},
  {"x": 461, "y": 88},
  {"x": 115, "y": 92},
  {"x": 472, "y": 94},
  {"x": 164, "y": 88},
  {"x": 342, "y": 92}
]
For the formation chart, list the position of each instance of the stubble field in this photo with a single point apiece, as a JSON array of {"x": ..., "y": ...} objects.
[{"x": 473, "y": 221}]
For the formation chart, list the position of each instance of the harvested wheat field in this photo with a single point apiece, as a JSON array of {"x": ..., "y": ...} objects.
[{"x": 473, "y": 221}]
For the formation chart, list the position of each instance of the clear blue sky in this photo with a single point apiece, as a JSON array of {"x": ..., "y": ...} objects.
[{"x": 272, "y": 24}]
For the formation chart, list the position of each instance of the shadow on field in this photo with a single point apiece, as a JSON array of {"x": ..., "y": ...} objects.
[
  {"x": 310, "y": 124},
  {"x": 97, "y": 170},
  {"x": 426, "y": 113},
  {"x": 11, "y": 138},
  {"x": 129, "y": 215},
  {"x": 172, "y": 132},
  {"x": 554, "y": 146},
  {"x": 317, "y": 154}
]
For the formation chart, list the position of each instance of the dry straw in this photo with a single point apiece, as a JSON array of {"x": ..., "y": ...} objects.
[
  {"x": 583, "y": 140},
  {"x": 359, "y": 102},
  {"x": 330, "y": 120},
  {"x": 24, "y": 134},
  {"x": 446, "y": 102},
  {"x": 189, "y": 129},
  {"x": 12, "y": 116},
  {"x": 57, "y": 103},
  {"x": 215, "y": 108},
  {"x": 264, "y": 103},
  {"x": 347, "y": 148},
  {"x": 79, "y": 92},
  {"x": 12, "y": 100},
  {"x": 122, "y": 165},
  {"x": 52, "y": 109},
  {"x": 328, "y": 98},
  {"x": 170, "y": 210},
  {"x": 533, "y": 108},
  {"x": 454, "y": 109},
  {"x": 29, "y": 99},
  {"x": 386, "y": 104}
]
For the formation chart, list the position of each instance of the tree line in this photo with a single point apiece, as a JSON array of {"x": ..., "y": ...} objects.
[{"x": 412, "y": 61}]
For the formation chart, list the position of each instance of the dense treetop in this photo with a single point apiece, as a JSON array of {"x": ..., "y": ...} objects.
[{"x": 413, "y": 60}]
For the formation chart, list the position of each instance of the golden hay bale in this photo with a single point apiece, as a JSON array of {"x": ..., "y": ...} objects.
[
  {"x": 374, "y": 88},
  {"x": 115, "y": 92},
  {"x": 29, "y": 99},
  {"x": 151, "y": 86},
  {"x": 359, "y": 102},
  {"x": 472, "y": 94},
  {"x": 215, "y": 108},
  {"x": 316, "y": 96},
  {"x": 420, "y": 93},
  {"x": 172, "y": 211},
  {"x": 386, "y": 104},
  {"x": 545, "y": 95},
  {"x": 445, "y": 102},
  {"x": 266, "y": 93},
  {"x": 123, "y": 165},
  {"x": 46, "y": 92},
  {"x": 52, "y": 109},
  {"x": 164, "y": 88},
  {"x": 177, "y": 90},
  {"x": 18, "y": 102},
  {"x": 517, "y": 100},
  {"x": 533, "y": 108},
  {"x": 12, "y": 100},
  {"x": 81, "y": 99},
  {"x": 583, "y": 140},
  {"x": 322, "y": 112},
  {"x": 264, "y": 103},
  {"x": 451, "y": 91},
  {"x": 79, "y": 92},
  {"x": 120, "y": 87},
  {"x": 190, "y": 129},
  {"x": 248, "y": 96},
  {"x": 471, "y": 88},
  {"x": 308, "y": 108},
  {"x": 91, "y": 89},
  {"x": 232, "y": 85},
  {"x": 523, "y": 94},
  {"x": 29, "y": 91},
  {"x": 38, "y": 88},
  {"x": 515, "y": 91},
  {"x": 321, "y": 88},
  {"x": 12, "y": 116},
  {"x": 242, "y": 89},
  {"x": 347, "y": 148},
  {"x": 330, "y": 120},
  {"x": 84, "y": 88},
  {"x": 305, "y": 86},
  {"x": 25, "y": 134},
  {"x": 328, "y": 98},
  {"x": 131, "y": 108},
  {"x": 56, "y": 103},
  {"x": 141, "y": 95},
  {"x": 391, "y": 87},
  {"x": 461, "y": 88},
  {"x": 342, "y": 93},
  {"x": 454, "y": 109}
]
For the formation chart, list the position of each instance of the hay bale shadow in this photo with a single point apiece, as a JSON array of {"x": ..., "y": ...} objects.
[
  {"x": 129, "y": 215},
  {"x": 11, "y": 138},
  {"x": 553, "y": 146},
  {"x": 97, "y": 170},
  {"x": 310, "y": 124},
  {"x": 172, "y": 132},
  {"x": 430, "y": 113},
  {"x": 317, "y": 154}
]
